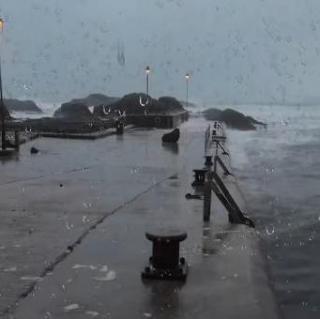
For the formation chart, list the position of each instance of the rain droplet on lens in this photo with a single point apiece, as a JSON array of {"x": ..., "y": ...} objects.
[{"x": 270, "y": 230}]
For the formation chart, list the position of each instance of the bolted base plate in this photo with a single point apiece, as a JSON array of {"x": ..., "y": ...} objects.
[{"x": 179, "y": 273}]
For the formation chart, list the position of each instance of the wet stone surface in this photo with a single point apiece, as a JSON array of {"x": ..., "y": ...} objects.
[{"x": 91, "y": 233}]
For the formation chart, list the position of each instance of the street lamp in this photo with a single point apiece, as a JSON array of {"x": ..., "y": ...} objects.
[
  {"x": 188, "y": 77},
  {"x": 3, "y": 113},
  {"x": 147, "y": 70}
]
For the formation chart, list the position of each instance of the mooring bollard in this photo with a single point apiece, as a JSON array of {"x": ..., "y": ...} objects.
[
  {"x": 199, "y": 177},
  {"x": 208, "y": 161},
  {"x": 165, "y": 262},
  {"x": 119, "y": 127}
]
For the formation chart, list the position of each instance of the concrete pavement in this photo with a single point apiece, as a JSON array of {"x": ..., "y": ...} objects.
[{"x": 75, "y": 218}]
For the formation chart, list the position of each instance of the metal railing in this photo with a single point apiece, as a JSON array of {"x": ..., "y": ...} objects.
[{"x": 213, "y": 183}]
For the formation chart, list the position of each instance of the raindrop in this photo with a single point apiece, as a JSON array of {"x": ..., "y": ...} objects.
[
  {"x": 48, "y": 315},
  {"x": 69, "y": 226},
  {"x": 11, "y": 269},
  {"x": 31, "y": 278},
  {"x": 91, "y": 267},
  {"x": 87, "y": 205},
  {"x": 104, "y": 268},
  {"x": 111, "y": 275},
  {"x": 270, "y": 230},
  {"x": 85, "y": 219},
  {"x": 71, "y": 307}
]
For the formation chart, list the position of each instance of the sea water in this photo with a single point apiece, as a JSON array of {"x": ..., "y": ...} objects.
[{"x": 278, "y": 169}]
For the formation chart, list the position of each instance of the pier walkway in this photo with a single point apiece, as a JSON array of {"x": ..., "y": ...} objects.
[{"x": 73, "y": 228}]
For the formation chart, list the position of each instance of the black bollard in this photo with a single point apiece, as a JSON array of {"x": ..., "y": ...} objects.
[
  {"x": 165, "y": 262},
  {"x": 119, "y": 127},
  {"x": 199, "y": 177},
  {"x": 208, "y": 161}
]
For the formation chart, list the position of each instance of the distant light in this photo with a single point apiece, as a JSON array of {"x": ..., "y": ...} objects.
[
  {"x": 148, "y": 70},
  {"x": 188, "y": 76},
  {"x": 1, "y": 25}
]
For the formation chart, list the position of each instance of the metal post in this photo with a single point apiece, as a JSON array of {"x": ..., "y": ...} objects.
[
  {"x": 17, "y": 140},
  {"x": 147, "y": 79},
  {"x": 147, "y": 70},
  {"x": 187, "y": 76},
  {"x": 207, "y": 200},
  {"x": 207, "y": 190},
  {"x": 3, "y": 131},
  {"x": 187, "y": 98}
]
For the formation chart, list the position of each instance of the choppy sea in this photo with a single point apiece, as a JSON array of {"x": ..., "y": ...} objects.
[{"x": 278, "y": 169}]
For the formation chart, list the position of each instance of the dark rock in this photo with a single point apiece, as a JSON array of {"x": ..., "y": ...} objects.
[
  {"x": 95, "y": 100},
  {"x": 170, "y": 104},
  {"x": 22, "y": 106},
  {"x": 78, "y": 111},
  {"x": 140, "y": 103},
  {"x": 6, "y": 112},
  {"x": 232, "y": 119},
  {"x": 34, "y": 150},
  {"x": 171, "y": 137},
  {"x": 79, "y": 108},
  {"x": 254, "y": 121},
  {"x": 107, "y": 107}
]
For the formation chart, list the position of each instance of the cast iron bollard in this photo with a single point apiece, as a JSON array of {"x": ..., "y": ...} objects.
[
  {"x": 199, "y": 177},
  {"x": 119, "y": 127},
  {"x": 208, "y": 161},
  {"x": 166, "y": 263}
]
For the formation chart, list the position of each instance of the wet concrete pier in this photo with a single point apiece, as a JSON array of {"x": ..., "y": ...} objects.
[{"x": 74, "y": 219}]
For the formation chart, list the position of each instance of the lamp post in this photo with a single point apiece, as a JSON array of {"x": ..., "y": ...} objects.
[
  {"x": 147, "y": 70},
  {"x": 188, "y": 77},
  {"x": 3, "y": 113}
]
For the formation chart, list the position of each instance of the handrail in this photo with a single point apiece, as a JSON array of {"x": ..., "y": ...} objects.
[
  {"x": 218, "y": 144},
  {"x": 235, "y": 214},
  {"x": 217, "y": 159},
  {"x": 212, "y": 182}
]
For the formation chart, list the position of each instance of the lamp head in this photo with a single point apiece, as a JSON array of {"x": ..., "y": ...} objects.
[
  {"x": 1, "y": 25},
  {"x": 148, "y": 70}
]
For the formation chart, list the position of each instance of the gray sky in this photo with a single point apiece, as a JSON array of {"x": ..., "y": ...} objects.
[{"x": 238, "y": 51}]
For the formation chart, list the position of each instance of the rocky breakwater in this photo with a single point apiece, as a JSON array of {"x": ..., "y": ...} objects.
[
  {"x": 14, "y": 105},
  {"x": 135, "y": 108},
  {"x": 143, "y": 110},
  {"x": 233, "y": 119},
  {"x": 74, "y": 117},
  {"x": 98, "y": 112},
  {"x": 27, "y": 106}
]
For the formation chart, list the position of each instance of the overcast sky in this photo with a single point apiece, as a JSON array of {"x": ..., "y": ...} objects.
[{"x": 238, "y": 51}]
